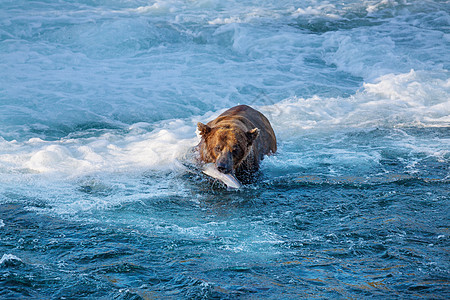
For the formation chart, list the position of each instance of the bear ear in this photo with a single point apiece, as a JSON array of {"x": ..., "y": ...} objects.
[
  {"x": 252, "y": 135},
  {"x": 204, "y": 129}
]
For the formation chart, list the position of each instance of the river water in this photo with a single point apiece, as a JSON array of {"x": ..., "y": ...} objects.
[{"x": 99, "y": 102}]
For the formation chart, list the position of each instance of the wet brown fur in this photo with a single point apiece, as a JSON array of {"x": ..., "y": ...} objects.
[{"x": 238, "y": 139}]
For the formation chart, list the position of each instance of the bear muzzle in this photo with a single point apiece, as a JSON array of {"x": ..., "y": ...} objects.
[{"x": 224, "y": 163}]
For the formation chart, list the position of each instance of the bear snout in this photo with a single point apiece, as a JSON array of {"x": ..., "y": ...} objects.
[{"x": 224, "y": 163}]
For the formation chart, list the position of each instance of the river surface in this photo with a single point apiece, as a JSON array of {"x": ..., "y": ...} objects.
[{"x": 99, "y": 195}]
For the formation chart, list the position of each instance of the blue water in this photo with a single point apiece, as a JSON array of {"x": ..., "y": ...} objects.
[{"x": 99, "y": 195}]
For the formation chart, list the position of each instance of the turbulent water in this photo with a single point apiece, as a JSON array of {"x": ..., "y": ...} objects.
[{"x": 99, "y": 197}]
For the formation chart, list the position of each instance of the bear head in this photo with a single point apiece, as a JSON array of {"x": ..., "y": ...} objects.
[{"x": 226, "y": 146}]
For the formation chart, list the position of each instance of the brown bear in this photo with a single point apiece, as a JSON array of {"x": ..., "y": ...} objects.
[{"x": 236, "y": 141}]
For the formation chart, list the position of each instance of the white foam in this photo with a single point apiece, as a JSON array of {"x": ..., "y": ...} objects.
[
  {"x": 374, "y": 6},
  {"x": 157, "y": 7},
  {"x": 412, "y": 99},
  {"x": 325, "y": 10},
  {"x": 110, "y": 152},
  {"x": 229, "y": 20},
  {"x": 9, "y": 258}
]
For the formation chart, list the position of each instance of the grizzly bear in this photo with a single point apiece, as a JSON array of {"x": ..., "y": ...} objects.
[{"x": 236, "y": 141}]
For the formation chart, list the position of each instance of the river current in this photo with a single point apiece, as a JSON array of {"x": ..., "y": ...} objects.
[{"x": 100, "y": 199}]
